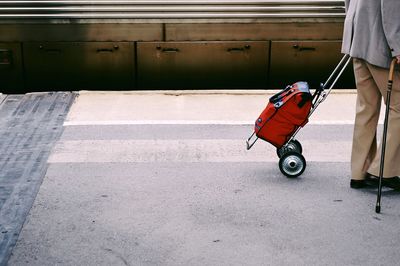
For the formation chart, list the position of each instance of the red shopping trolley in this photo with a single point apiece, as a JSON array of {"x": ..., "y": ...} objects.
[{"x": 286, "y": 113}]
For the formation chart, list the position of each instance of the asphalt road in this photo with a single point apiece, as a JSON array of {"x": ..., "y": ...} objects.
[{"x": 193, "y": 195}]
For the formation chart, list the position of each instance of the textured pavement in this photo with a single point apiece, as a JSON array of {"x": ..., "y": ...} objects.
[{"x": 29, "y": 126}]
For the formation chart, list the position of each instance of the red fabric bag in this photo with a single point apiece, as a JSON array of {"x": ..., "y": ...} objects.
[{"x": 285, "y": 113}]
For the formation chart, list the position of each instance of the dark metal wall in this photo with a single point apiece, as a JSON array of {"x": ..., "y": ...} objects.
[{"x": 52, "y": 45}]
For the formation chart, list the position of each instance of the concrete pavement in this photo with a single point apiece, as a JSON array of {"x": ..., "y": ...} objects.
[
  {"x": 145, "y": 178},
  {"x": 235, "y": 106}
]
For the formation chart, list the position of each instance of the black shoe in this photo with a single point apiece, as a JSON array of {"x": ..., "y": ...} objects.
[
  {"x": 392, "y": 182},
  {"x": 372, "y": 180},
  {"x": 357, "y": 183},
  {"x": 369, "y": 181}
]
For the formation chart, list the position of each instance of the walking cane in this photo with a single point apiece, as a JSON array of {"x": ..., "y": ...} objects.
[{"x": 385, "y": 127}]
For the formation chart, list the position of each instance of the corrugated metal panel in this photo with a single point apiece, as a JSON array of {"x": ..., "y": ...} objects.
[{"x": 171, "y": 9}]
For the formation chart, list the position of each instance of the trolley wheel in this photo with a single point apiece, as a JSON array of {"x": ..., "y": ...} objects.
[
  {"x": 293, "y": 145},
  {"x": 292, "y": 164}
]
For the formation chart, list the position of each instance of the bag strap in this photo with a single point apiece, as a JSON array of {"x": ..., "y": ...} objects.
[{"x": 305, "y": 97}]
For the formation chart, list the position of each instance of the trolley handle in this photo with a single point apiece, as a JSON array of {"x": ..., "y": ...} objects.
[
  {"x": 320, "y": 93},
  {"x": 336, "y": 73}
]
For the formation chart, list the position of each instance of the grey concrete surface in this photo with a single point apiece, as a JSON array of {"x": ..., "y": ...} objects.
[
  {"x": 29, "y": 126},
  {"x": 205, "y": 214},
  {"x": 209, "y": 211},
  {"x": 144, "y": 178}
]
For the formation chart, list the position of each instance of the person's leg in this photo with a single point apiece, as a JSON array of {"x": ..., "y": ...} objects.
[
  {"x": 367, "y": 114},
  {"x": 392, "y": 154}
]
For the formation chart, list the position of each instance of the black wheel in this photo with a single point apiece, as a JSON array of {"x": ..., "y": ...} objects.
[
  {"x": 292, "y": 164},
  {"x": 298, "y": 148},
  {"x": 293, "y": 145}
]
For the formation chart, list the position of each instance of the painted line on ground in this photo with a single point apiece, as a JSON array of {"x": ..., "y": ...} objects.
[
  {"x": 189, "y": 122},
  {"x": 189, "y": 150}
]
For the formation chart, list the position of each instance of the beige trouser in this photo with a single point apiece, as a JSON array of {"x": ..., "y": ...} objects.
[{"x": 371, "y": 84}]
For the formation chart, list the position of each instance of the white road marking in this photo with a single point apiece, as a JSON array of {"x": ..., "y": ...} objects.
[
  {"x": 189, "y": 150},
  {"x": 189, "y": 122}
]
